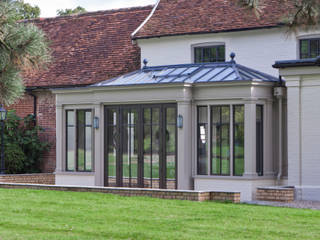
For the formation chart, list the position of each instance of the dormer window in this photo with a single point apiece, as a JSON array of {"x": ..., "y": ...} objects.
[
  {"x": 309, "y": 48},
  {"x": 210, "y": 54}
]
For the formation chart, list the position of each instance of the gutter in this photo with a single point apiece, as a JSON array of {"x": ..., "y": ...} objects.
[{"x": 309, "y": 62}]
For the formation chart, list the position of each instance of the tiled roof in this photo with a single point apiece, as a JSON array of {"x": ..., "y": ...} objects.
[
  {"x": 189, "y": 73},
  {"x": 90, "y": 48},
  {"x": 178, "y": 17}
]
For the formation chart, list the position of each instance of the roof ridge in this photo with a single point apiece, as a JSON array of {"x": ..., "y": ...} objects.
[{"x": 90, "y": 14}]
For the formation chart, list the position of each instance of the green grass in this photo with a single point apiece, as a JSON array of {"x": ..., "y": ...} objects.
[{"x": 31, "y": 214}]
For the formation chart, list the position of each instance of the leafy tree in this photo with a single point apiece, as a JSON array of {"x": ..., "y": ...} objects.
[
  {"x": 303, "y": 13},
  {"x": 69, "y": 11},
  {"x": 23, "y": 48},
  {"x": 27, "y": 11}
]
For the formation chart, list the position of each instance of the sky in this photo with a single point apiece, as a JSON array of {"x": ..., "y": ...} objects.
[{"x": 49, "y": 7}]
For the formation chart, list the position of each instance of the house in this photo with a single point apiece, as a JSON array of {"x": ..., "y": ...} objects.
[
  {"x": 194, "y": 118},
  {"x": 86, "y": 49}
]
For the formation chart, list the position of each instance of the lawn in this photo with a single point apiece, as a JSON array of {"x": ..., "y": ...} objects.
[{"x": 32, "y": 214}]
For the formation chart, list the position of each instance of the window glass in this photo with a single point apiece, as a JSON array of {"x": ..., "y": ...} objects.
[
  {"x": 309, "y": 48},
  {"x": 71, "y": 138},
  {"x": 202, "y": 140},
  {"x": 238, "y": 140},
  {"x": 209, "y": 54},
  {"x": 79, "y": 140},
  {"x": 112, "y": 139},
  {"x": 171, "y": 117},
  {"x": 220, "y": 135}
]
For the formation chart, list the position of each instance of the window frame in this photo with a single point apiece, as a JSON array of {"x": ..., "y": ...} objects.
[
  {"x": 309, "y": 48},
  {"x": 76, "y": 142},
  {"x": 208, "y": 46},
  {"x": 230, "y": 135},
  {"x": 221, "y": 106}
]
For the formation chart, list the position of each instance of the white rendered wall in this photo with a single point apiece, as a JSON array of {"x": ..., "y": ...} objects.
[
  {"x": 257, "y": 49},
  {"x": 303, "y": 86}
]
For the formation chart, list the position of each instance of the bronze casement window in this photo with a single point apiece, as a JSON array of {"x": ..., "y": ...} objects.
[
  {"x": 141, "y": 146},
  {"x": 238, "y": 140},
  {"x": 79, "y": 140},
  {"x": 309, "y": 48},
  {"x": 220, "y": 138},
  {"x": 210, "y": 54}
]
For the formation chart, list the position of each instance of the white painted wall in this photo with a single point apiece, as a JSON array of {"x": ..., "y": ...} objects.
[
  {"x": 303, "y": 86},
  {"x": 258, "y": 49}
]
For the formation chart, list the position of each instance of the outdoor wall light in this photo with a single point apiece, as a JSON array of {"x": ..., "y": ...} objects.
[
  {"x": 180, "y": 121},
  {"x": 96, "y": 123}
]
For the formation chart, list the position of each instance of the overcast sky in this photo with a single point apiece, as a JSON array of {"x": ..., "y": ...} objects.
[{"x": 49, "y": 7}]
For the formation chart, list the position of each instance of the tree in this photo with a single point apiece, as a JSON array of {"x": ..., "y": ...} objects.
[
  {"x": 303, "y": 13},
  {"x": 24, "y": 10},
  {"x": 23, "y": 47},
  {"x": 27, "y": 11},
  {"x": 69, "y": 11}
]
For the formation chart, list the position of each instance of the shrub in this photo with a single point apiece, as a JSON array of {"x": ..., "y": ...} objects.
[{"x": 23, "y": 145}]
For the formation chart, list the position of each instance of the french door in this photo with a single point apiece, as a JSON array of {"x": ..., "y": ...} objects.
[{"x": 140, "y": 146}]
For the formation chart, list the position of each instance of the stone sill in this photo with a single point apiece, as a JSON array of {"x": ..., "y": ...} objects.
[
  {"x": 234, "y": 177},
  {"x": 75, "y": 173}
]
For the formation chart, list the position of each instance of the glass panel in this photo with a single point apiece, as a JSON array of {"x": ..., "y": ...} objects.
[
  {"x": 213, "y": 55},
  {"x": 314, "y": 48},
  {"x": 259, "y": 137},
  {"x": 197, "y": 55},
  {"x": 202, "y": 140},
  {"x": 88, "y": 148},
  {"x": 130, "y": 147},
  {"x": 225, "y": 140},
  {"x": 147, "y": 151},
  {"x": 81, "y": 139},
  {"x": 220, "y": 162},
  {"x": 155, "y": 156},
  {"x": 71, "y": 139},
  {"x": 171, "y": 148},
  {"x": 112, "y": 138},
  {"x": 238, "y": 141},
  {"x": 112, "y": 151},
  {"x": 88, "y": 118},
  {"x": 215, "y": 136},
  {"x": 304, "y": 48},
  {"x": 221, "y": 54},
  {"x": 206, "y": 55},
  {"x": 70, "y": 118}
]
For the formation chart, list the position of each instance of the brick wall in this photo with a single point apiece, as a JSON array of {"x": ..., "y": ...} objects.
[
  {"x": 23, "y": 106},
  {"x": 46, "y": 178},
  {"x": 276, "y": 194},
  {"x": 136, "y": 192},
  {"x": 46, "y": 118}
]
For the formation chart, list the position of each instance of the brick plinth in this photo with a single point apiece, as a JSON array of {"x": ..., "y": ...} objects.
[
  {"x": 47, "y": 178},
  {"x": 137, "y": 192},
  {"x": 276, "y": 194}
]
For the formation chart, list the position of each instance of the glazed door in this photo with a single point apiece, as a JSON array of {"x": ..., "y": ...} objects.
[{"x": 140, "y": 148}]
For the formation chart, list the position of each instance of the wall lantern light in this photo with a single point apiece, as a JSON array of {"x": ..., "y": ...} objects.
[
  {"x": 180, "y": 121},
  {"x": 96, "y": 123}
]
